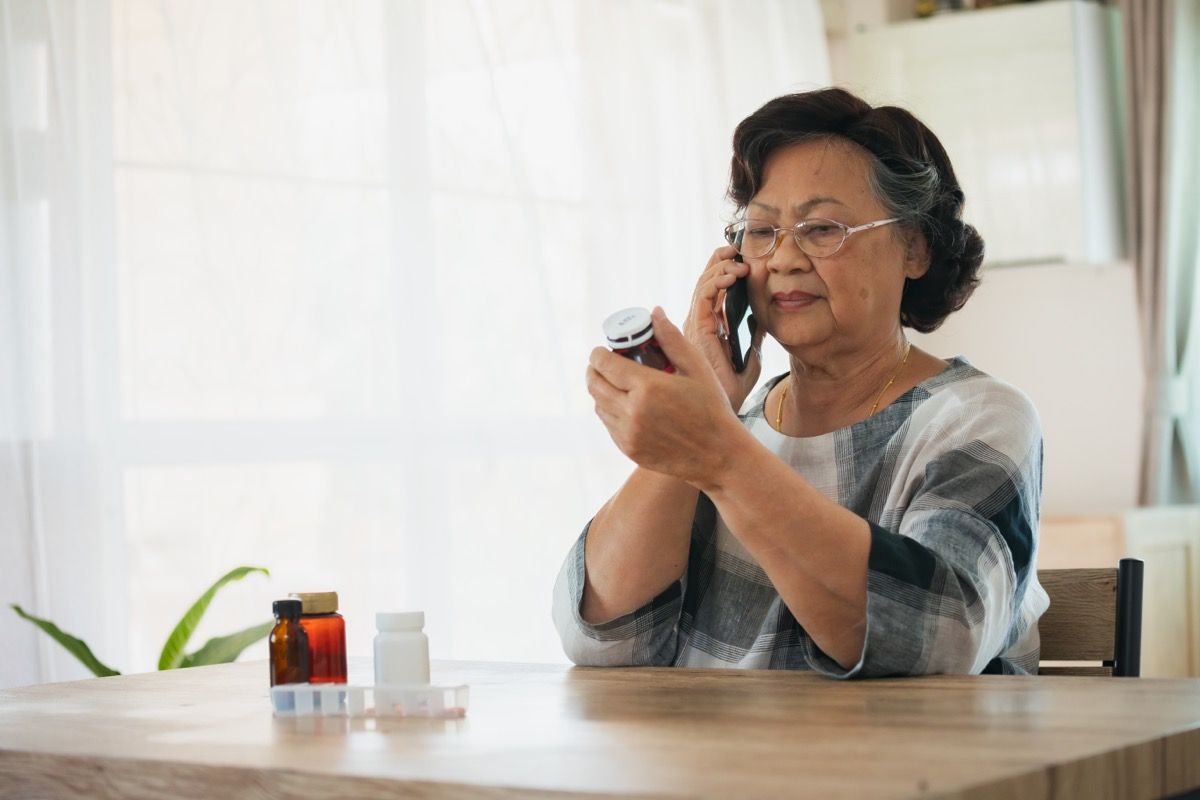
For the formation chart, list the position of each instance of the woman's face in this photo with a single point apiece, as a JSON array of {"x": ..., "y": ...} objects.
[{"x": 847, "y": 302}]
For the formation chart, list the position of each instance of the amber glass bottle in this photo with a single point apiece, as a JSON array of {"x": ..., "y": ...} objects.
[
  {"x": 326, "y": 631},
  {"x": 289, "y": 644}
]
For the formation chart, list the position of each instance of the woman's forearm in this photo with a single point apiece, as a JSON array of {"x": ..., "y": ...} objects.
[
  {"x": 637, "y": 544},
  {"x": 814, "y": 551}
]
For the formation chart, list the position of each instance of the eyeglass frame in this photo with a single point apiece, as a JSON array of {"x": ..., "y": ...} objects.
[{"x": 847, "y": 232}]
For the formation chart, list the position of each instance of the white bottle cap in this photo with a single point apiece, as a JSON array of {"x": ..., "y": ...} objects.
[
  {"x": 402, "y": 621},
  {"x": 628, "y": 327}
]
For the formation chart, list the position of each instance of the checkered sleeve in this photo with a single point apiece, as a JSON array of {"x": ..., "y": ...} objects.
[
  {"x": 946, "y": 582},
  {"x": 642, "y": 638}
]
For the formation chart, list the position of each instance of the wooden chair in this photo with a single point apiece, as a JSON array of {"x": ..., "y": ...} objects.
[{"x": 1095, "y": 615}]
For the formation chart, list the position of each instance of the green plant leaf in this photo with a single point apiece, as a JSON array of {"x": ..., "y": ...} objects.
[
  {"x": 223, "y": 649},
  {"x": 172, "y": 652},
  {"x": 75, "y": 647}
]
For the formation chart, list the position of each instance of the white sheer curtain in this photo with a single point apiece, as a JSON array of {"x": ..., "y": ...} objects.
[
  {"x": 1163, "y": 82},
  {"x": 333, "y": 272},
  {"x": 61, "y": 551},
  {"x": 1181, "y": 253}
]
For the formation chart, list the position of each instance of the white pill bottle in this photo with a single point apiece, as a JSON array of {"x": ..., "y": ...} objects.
[{"x": 401, "y": 649}]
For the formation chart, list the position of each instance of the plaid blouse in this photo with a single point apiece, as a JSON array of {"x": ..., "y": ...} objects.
[{"x": 949, "y": 479}]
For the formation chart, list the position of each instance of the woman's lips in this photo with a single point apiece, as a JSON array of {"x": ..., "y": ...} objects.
[{"x": 793, "y": 301}]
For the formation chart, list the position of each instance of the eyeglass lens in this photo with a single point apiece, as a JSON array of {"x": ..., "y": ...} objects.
[{"x": 816, "y": 237}]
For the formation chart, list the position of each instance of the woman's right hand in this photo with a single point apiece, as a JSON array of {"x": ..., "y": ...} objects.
[{"x": 706, "y": 327}]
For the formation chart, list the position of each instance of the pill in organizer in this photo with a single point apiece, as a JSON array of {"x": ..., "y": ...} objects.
[{"x": 342, "y": 700}]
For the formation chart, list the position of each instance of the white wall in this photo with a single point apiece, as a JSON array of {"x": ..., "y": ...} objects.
[{"x": 1067, "y": 336}]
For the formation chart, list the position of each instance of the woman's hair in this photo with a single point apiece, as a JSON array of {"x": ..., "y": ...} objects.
[{"x": 910, "y": 174}]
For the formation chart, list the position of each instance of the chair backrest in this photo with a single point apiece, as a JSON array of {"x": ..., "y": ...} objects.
[{"x": 1095, "y": 615}]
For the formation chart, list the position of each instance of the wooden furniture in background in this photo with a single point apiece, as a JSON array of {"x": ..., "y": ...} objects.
[
  {"x": 538, "y": 731},
  {"x": 1095, "y": 615},
  {"x": 1167, "y": 539}
]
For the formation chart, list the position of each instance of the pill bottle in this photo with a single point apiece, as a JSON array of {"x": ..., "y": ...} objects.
[
  {"x": 401, "y": 649},
  {"x": 288, "y": 644},
  {"x": 630, "y": 332},
  {"x": 326, "y": 631}
]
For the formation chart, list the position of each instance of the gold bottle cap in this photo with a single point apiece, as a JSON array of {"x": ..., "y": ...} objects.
[{"x": 317, "y": 602}]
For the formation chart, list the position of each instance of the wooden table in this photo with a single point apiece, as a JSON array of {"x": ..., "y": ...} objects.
[{"x": 553, "y": 731}]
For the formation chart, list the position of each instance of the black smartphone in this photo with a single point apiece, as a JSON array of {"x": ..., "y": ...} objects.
[{"x": 741, "y": 322}]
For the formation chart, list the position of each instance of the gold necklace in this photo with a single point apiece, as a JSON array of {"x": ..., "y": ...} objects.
[
  {"x": 878, "y": 397},
  {"x": 891, "y": 380}
]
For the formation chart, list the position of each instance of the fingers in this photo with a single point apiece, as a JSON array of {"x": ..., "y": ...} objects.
[
  {"x": 613, "y": 405},
  {"x": 617, "y": 370},
  {"x": 601, "y": 390},
  {"x": 710, "y": 290},
  {"x": 683, "y": 354},
  {"x": 610, "y": 402},
  {"x": 722, "y": 272},
  {"x": 720, "y": 264},
  {"x": 725, "y": 252}
]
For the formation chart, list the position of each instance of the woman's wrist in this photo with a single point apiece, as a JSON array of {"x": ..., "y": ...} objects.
[
  {"x": 738, "y": 399},
  {"x": 732, "y": 460}
]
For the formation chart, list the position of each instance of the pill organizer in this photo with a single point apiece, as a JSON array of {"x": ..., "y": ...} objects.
[{"x": 343, "y": 700}]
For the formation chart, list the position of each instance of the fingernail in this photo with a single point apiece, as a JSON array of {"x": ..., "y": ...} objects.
[{"x": 657, "y": 313}]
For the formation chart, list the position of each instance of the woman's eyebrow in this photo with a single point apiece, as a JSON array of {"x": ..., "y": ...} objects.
[{"x": 802, "y": 208}]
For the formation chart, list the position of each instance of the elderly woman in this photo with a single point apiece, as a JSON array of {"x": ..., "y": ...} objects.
[{"x": 872, "y": 512}]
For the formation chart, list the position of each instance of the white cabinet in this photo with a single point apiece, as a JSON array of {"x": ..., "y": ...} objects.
[
  {"x": 1024, "y": 99},
  {"x": 1167, "y": 539}
]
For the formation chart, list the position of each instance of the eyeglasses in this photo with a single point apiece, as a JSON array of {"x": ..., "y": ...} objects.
[{"x": 820, "y": 238}]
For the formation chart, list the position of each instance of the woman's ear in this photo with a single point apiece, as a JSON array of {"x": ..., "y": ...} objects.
[{"x": 916, "y": 255}]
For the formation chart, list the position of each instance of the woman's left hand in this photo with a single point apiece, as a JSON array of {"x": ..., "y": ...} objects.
[{"x": 678, "y": 424}]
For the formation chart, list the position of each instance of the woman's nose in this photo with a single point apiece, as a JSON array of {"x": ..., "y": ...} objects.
[{"x": 787, "y": 255}]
